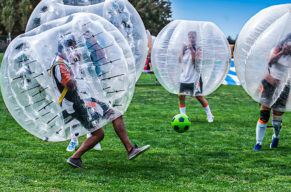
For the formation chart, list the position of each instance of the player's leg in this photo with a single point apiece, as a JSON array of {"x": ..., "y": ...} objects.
[
  {"x": 262, "y": 126},
  {"x": 279, "y": 106},
  {"x": 97, "y": 146},
  {"x": 277, "y": 127},
  {"x": 74, "y": 140},
  {"x": 206, "y": 107},
  {"x": 133, "y": 151},
  {"x": 182, "y": 104},
  {"x": 89, "y": 143},
  {"x": 185, "y": 89}
]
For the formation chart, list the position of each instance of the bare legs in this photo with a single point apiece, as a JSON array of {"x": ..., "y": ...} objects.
[
  {"x": 201, "y": 99},
  {"x": 262, "y": 125},
  {"x": 98, "y": 135},
  {"x": 120, "y": 130},
  {"x": 89, "y": 143},
  {"x": 182, "y": 99}
]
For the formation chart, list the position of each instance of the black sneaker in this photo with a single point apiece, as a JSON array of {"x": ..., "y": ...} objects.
[
  {"x": 75, "y": 162},
  {"x": 136, "y": 151}
]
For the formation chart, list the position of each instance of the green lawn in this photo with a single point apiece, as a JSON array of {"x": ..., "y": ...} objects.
[{"x": 209, "y": 157}]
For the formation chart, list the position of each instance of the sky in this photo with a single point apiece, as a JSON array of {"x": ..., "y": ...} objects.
[{"x": 229, "y": 16}]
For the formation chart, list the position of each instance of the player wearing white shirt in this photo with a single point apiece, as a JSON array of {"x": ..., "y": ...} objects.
[
  {"x": 279, "y": 63},
  {"x": 190, "y": 78}
]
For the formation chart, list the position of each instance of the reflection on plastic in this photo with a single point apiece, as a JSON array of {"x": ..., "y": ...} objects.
[
  {"x": 191, "y": 57},
  {"x": 75, "y": 73},
  {"x": 118, "y": 12},
  {"x": 263, "y": 57}
]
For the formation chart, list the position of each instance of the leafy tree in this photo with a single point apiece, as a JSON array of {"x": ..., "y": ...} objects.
[
  {"x": 15, "y": 13},
  {"x": 20, "y": 14},
  {"x": 1, "y": 26},
  {"x": 8, "y": 16},
  {"x": 155, "y": 13},
  {"x": 25, "y": 8}
]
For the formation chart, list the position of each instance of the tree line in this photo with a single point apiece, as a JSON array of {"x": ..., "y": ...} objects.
[{"x": 15, "y": 14}]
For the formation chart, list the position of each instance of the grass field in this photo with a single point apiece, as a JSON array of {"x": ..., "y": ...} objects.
[{"x": 209, "y": 157}]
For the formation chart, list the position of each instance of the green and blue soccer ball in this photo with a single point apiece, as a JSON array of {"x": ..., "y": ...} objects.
[{"x": 181, "y": 123}]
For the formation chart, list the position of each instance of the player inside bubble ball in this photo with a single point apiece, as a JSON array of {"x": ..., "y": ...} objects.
[
  {"x": 63, "y": 75},
  {"x": 279, "y": 64},
  {"x": 190, "y": 79},
  {"x": 73, "y": 97},
  {"x": 97, "y": 55}
]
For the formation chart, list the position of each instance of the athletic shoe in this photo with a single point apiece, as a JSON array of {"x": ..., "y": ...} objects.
[
  {"x": 136, "y": 151},
  {"x": 72, "y": 146},
  {"x": 257, "y": 147},
  {"x": 210, "y": 119},
  {"x": 75, "y": 162},
  {"x": 274, "y": 143}
]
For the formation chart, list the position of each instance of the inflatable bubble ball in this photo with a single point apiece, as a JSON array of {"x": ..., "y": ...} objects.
[
  {"x": 263, "y": 57},
  {"x": 118, "y": 12},
  {"x": 68, "y": 77},
  {"x": 191, "y": 57}
]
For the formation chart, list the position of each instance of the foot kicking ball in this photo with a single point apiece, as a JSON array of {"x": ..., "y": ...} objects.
[{"x": 181, "y": 123}]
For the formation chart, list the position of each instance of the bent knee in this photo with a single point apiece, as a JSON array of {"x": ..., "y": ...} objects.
[
  {"x": 264, "y": 116},
  {"x": 181, "y": 96},
  {"x": 98, "y": 132},
  {"x": 200, "y": 98}
]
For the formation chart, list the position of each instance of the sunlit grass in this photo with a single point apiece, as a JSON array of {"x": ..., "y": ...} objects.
[{"x": 208, "y": 157}]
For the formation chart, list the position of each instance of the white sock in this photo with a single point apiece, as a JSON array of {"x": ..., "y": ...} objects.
[
  {"x": 276, "y": 128},
  {"x": 260, "y": 132},
  {"x": 208, "y": 111},
  {"x": 182, "y": 110}
]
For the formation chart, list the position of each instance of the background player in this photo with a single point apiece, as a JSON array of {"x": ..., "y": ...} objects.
[{"x": 190, "y": 80}]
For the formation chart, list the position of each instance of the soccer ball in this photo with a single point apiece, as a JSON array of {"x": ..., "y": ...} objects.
[{"x": 181, "y": 123}]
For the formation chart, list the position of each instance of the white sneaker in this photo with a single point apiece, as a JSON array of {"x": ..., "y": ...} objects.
[
  {"x": 72, "y": 146},
  {"x": 210, "y": 119},
  {"x": 97, "y": 146}
]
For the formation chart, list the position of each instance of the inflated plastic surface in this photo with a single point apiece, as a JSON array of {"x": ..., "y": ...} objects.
[
  {"x": 119, "y": 12},
  {"x": 265, "y": 36},
  {"x": 173, "y": 63},
  {"x": 82, "y": 52}
]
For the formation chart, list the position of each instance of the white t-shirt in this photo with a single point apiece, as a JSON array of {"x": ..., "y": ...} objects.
[
  {"x": 190, "y": 71},
  {"x": 281, "y": 67}
]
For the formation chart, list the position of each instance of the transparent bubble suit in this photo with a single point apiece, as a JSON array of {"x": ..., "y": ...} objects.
[
  {"x": 101, "y": 67},
  {"x": 262, "y": 37},
  {"x": 211, "y": 65},
  {"x": 119, "y": 12}
]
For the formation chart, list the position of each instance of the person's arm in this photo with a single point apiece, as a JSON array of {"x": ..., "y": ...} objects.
[
  {"x": 67, "y": 80},
  {"x": 182, "y": 53},
  {"x": 193, "y": 53},
  {"x": 277, "y": 54},
  {"x": 198, "y": 53}
]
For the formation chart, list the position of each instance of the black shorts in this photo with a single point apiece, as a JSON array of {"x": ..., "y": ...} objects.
[
  {"x": 281, "y": 102},
  {"x": 188, "y": 88},
  {"x": 267, "y": 96}
]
